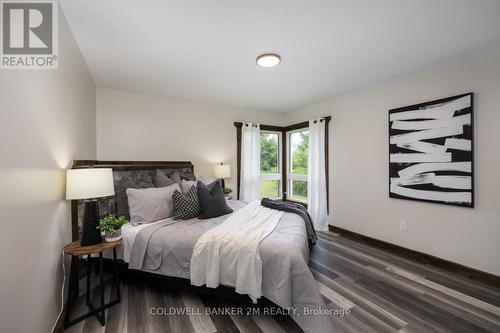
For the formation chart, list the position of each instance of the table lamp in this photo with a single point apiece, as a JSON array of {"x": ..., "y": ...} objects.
[
  {"x": 89, "y": 184},
  {"x": 222, "y": 171}
]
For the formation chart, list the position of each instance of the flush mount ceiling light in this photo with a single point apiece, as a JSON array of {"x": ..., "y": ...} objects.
[{"x": 268, "y": 60}]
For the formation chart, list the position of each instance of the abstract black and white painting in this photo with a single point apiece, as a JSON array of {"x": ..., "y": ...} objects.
[{"x": 431, "y": 151}]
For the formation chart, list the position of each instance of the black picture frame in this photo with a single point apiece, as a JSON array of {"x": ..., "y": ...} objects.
[{"x": 416, "y": 186}]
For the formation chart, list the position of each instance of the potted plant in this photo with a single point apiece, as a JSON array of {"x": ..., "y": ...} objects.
[
  {"x": 227, "y": 192},
  {"x": 112, "y": 227}
]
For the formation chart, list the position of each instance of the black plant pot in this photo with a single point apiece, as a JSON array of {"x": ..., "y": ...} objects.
[{"x": 90, "y": 234}]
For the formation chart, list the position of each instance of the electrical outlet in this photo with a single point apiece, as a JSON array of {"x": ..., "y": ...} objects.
[{"x": 403, "y": 226}]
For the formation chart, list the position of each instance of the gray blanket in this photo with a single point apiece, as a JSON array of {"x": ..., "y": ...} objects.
[
  {"x": 166, "y": 248},
  {"x": 296, "y": 208}
]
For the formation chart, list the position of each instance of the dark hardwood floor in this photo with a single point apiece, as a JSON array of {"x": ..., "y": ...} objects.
[{"x": 382, "y": 292}]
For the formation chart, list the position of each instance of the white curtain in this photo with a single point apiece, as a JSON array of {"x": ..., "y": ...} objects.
[
  {"x": 250, "y": 162},
  {"x": 316, "y": 175}
]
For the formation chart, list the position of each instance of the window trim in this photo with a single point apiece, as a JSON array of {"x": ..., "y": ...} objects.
[
  {"x": 279, "y": 175},
  {"x": 284, "y": 129}
]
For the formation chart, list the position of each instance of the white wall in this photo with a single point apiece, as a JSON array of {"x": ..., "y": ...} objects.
[
  {"x": 132, "y": 126},
  {"x": 359, "y": 162},
  {"x": 47, "y": 119}
]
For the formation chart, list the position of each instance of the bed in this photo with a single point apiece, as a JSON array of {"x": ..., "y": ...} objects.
[{"x": 164, "y": 249}]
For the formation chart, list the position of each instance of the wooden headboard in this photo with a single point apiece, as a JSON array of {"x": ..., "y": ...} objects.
[{"x": 121, "y": 166}]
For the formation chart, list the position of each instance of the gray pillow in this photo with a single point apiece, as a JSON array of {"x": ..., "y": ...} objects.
[
  {"x": 161, "y": 180},
  {"x": 121, "y": 187},
  {"x": 212, "y": 201},
  {"x": 176, "y": 177},
  {"x": 187, "y": 184},
  {"x": 186, "y": 205},
  {"x": 144, "y": 181},
  {"x": 188, "y": 175},
  {"x": 151, "y": 204}
]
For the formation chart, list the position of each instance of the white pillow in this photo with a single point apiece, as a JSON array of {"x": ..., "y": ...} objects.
[
  {"x": 186, "y": 185},
  {"x": 148, "y": 205}
]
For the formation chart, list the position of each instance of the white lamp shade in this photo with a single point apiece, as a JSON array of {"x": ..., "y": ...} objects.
[
  {"x": 222, "y": 171},
  {"x": 89, "y": 183}
]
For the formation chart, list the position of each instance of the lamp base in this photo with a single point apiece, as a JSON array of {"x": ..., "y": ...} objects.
[
  {"x": 222, "y": 183},
  {"x": 90, "y": 234}
]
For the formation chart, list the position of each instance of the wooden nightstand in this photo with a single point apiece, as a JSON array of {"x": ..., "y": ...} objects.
[{"x": 75, "y": 250}]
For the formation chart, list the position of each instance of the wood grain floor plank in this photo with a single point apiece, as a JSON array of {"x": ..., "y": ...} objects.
[
  {"x": 371, "y": 321},
  {"x": 323, "y": 269},
  {"x": 476, "y": 291},
  {"x": 376, "y": 258},
  {"x": 464, "y": 314},
  {"x": 361, "y": 301},
  {"x": 458, "y": 304},
  {"x": 445, "y": 290},
  {"x": 352, "y": 321},
  {"x": 429, "y": 311},
  {"x": 360, "y": 310},
  {"x": 136, "y": 308},
  {"x": 179, "y": 323},
  {"x": 222, "y": 322},
  {"x": 267, "y": 324},
  {"x": 243, "y": 322},
  {"x": 337, "y": 264},
  {"x": 325, "y": 246},
  {"x": 154, "y": 317},
  {"x": 246, "y": 324},
  {"x": 201, "y": 322},
  {"x": 399, "y": 310},
  {"x": 287, "y": 323},
  {"x": 334, "y": 297},
  {"x": 342, "y": 326},
  {"x": 397, "y": 282}
]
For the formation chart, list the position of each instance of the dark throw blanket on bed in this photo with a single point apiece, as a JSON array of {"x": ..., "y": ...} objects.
[{"x": 296, "y": 208}]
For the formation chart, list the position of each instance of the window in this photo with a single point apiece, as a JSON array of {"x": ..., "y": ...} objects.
[
  {"x": 270, "y": 164},
  {"x": 297, "y": 155},
  {"x": 284, "y": 160}
]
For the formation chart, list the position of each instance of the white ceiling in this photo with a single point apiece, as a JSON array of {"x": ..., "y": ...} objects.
[{"x": 205, "y": 50}]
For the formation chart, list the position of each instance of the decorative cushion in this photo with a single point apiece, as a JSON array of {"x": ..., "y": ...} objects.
[
  {"x": 125, "y": 183},
  {"x": 162, "y": 180},
  {"x": 144, "y": 181},
  {"x": 188, "y": 175},
  {"x": 176, "y": 177},
  {"x": 212, "y": 201},
  {"x": 151, "y": 204},
  {"x": 187, "y": 184},
  {"x": 186, "y": 205}
]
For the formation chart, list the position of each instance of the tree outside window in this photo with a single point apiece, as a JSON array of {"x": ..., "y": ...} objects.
[
  {"x": 297, "y": 161},
  {"x": 270, "y": 166}
]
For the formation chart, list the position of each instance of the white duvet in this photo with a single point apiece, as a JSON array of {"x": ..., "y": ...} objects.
[{"x": 229, "y": 253}]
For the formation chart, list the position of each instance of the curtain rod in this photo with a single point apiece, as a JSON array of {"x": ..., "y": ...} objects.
[{"x": 281, "y": 128}]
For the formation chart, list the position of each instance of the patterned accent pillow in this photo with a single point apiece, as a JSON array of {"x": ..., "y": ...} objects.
[{"x": 186, "y": 205}]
